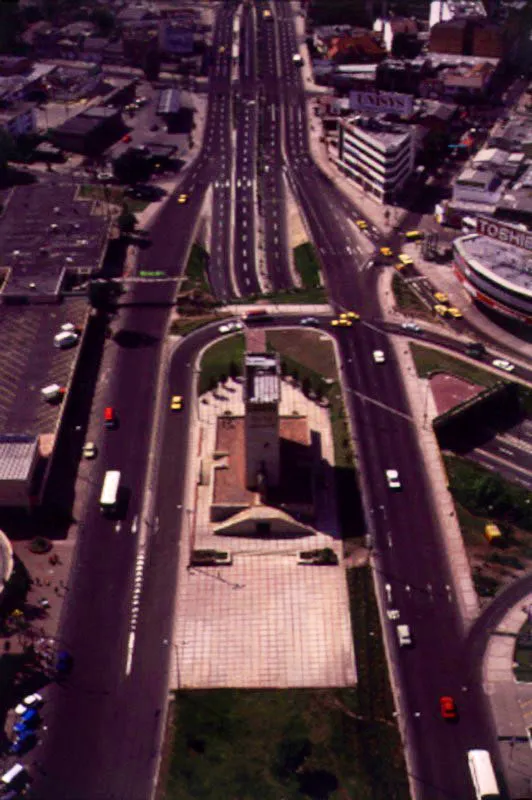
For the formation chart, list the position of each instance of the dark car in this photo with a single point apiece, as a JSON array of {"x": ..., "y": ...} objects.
[{"x": 154, "y": 127}]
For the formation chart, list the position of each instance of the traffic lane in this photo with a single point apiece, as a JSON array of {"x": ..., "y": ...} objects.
[
  {"x": 154, "y": 646},
  {"x": 96, "y": 616},
  {"x": 407, "y": 533},
  {"x": 220, "y": 255}
]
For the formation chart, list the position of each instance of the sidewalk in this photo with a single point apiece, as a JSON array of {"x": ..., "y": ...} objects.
[{"x": 511, "y": 702}]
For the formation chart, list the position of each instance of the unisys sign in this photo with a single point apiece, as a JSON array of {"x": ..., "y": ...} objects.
[
  {"x": 504, "y": 233},
  {"x": 401, "y": 104}
]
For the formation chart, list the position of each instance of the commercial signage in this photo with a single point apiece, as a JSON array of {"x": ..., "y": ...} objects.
[
  {"x": 382, "y": 102},
  {"x": 504, "y": 233}
]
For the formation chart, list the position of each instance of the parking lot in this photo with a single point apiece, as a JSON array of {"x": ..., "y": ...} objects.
[{"x": 30, "y": 361}]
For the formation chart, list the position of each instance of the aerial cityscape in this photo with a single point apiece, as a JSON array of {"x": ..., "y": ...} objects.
[{"x": 266, "y": 399}]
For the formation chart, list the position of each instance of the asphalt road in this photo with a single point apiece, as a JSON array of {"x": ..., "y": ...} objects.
[
  {"x": 102, "y": 724},
  {"x": 173, "y": 229},
  {"x": 245, "y": 104},
  {"x": 406, "y": 540}
]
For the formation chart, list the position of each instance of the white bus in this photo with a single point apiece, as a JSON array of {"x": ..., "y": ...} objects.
[
  {"x": 109, "y": 495},
  {"x": 483, "y": 775}
]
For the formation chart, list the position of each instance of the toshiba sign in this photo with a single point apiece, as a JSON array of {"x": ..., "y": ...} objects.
[
  {"x": 505, "y": 233},
  {"x": 381, "y": 101}
]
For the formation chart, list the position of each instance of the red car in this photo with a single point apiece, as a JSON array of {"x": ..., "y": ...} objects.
[
  {"x": 448, "y": 708},
  {"x": 126, "y": 138}
]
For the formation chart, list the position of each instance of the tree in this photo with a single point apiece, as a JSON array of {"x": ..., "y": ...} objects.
[
  {"x": 7, "y": 152},
  {"x": 132, "y": 167},
  {"x": 104, "y": 20},
  {"x": 127, "y": 221}
]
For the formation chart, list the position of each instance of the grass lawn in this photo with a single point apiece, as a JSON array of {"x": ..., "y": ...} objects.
[
  {"x": 221, "y": 359},
  {"x": 112, "y": 194},
  {"x": 428, "y": 360},
  {"x": 312, "y": 296},
  {"x": 307, "y": 265},
  {"x": 294, "y": 744},
  {"x": 407, "y": 300},
  {"x": 309, "y": 356},
  {"x": 196, "y": 271}
]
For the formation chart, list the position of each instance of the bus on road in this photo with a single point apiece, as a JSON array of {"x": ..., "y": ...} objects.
[
  {"x": 483, "y": 775},
  {"x": 110, "y": 488}
]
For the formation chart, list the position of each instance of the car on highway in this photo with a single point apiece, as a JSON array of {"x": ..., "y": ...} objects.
[
  {"x": 502, "y": 363},
  {"x": 221, "y": 49},
  {"x": 448, "y": 708},
  {"x": 30, "y": 701},
  {"x": 109, "y": 418},
  {"x": 229, "y": 327},
  {"x": 441, "y": 297},
  {"x": 404, "y": 636},
  {"x": 176, "y": 403},
  {"x": 454, "y": 312},
  {"x": 387, "y": 252},
  {"x": 309, "y": 321},
  {"x": 182, "y": 198},
  {"x": 379, "y": 357},
  {"x": 413, "y": 235},
  {"x": 127, "y": 138},
  {"x": 362, "y": 224},
  {"x": 411, "y": 326},
  {"x": 341, "y": 323},
  {"x": 350, "y": 315},
  {"x": 441, "y": 310},
  {"x": 405, "y": 260},
  {"x": 392, "y": 479},
  {"x": 90, "y": 451}
]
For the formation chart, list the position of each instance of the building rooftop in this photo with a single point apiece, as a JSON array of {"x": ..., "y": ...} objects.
[
  {"x": 388, "y": 134},
  {"x": 17, "y": 456},
  {"x": 46, "y": 231},
  {"x": 262, "y": 378},
  {"x": 510, "y": 266}
]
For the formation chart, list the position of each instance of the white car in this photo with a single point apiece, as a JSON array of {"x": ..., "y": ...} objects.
[
  {"x": 392, "y": 477},
  {"x": 31, "y": 701},
  {"x": 411, "y": 326},
  {"x": 379, "y": 357},
  {"x": 231, "y": 326},
  {"x": 309, "y": 321},
  {"x": 89, "y": 450},
  {"x": 502, "y": 363}
]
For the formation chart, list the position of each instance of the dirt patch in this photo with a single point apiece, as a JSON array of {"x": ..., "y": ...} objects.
[{"x": 449, "y": 391}]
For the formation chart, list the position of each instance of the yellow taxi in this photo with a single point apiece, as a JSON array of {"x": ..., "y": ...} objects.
[
  {"x": 350, "y": 315},
  {"x": 405, "y": 260},
  {"x": 413, "y": 235},
  {"x": 362, "y": 224},
  {"x": 441, "y": 297},
  {"x": 386, "y": 251},
  {"x": 341, "y": 323},
  {"x": 455, "y": 312},
  {"x": 176, "y": 403},
  {"x": 182, "y": 198},
  {"x": 221, "y": 49},
  {"x": 441, "y": 310}
]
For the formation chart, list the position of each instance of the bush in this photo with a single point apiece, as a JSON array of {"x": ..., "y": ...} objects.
[{"x": 40, "y": 545}]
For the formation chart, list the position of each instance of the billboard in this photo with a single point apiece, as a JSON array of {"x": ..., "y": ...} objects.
[
  {"x": 382, "y": 102},
  {"x": 507, "y": 234}
]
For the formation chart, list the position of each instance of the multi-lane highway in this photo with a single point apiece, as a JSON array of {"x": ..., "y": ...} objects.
[
  {"x": 406, "y": 538},
  {"x": 104, "y": 723}
]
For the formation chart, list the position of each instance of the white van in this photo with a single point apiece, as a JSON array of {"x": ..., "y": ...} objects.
[
  {"x": 52, "y": 392},
  {"x": 65, "y": 339},
  {"x": 11, "y": 776},
  {"x": 403, "y": 634}
]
